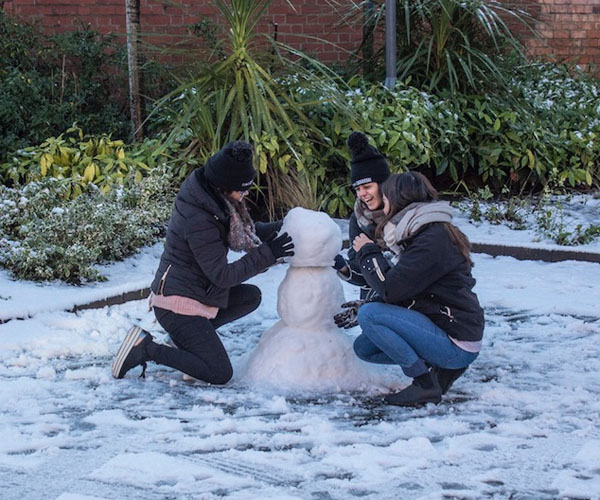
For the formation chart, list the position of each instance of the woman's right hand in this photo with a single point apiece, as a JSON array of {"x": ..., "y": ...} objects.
[
  {"x": 360, "y": 241},
  {"x": 280, "y": 246}
]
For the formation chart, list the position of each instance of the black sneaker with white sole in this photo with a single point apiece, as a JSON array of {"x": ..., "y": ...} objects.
[{"x": 132, "y": 352}]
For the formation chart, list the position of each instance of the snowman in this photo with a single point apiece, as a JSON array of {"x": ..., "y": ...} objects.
[{"x": 304, "y": 350}]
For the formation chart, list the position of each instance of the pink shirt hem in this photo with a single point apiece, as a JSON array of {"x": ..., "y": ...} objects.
[{"x": 182, "y": 305}]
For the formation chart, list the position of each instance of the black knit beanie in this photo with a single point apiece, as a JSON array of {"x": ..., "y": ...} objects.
[
  {"x": 230, "y": 168},
  {"x": 367, "y": 164}
]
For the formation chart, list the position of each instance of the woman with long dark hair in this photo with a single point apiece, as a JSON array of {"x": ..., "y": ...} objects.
[{"x": 427, "y": 318}]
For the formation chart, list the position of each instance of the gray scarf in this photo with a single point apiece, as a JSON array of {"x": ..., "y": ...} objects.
[
  {"x": 368, "y": 220},
  {"x": 242, "y": 233},
  {"x": 411, "y": 218}
]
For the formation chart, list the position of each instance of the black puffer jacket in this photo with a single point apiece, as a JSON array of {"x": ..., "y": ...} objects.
[
  {"x": 354, "y": 229},
  {"x": 431, "y": 277},
  {"x": 196, "y": 247},
  {"x": 355, "y": 277}
]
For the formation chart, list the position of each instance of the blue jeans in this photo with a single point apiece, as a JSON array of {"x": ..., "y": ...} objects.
[{"x": 396, "y": 335}]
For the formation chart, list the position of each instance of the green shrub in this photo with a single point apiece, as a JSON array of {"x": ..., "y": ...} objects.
[
  {"x": 466, "y": 141},
  {"x": 397, "y": 123},
  {"x": 47, "y": 83},
  {"x": 88, "y": 159},
  {"x": 566, "y": 100},
  {"x": 517, "y": 142},
  {"x": 44, "y": 236},
  {"x": 547, "y": 136}
]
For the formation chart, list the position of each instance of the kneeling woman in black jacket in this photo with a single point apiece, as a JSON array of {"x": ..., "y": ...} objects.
[
  {"x": 429, "y": 321},
  {"x": 195, "y": 289}
]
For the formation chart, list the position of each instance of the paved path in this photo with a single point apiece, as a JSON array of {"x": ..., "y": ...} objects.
[{"x": 511, "y": 428}]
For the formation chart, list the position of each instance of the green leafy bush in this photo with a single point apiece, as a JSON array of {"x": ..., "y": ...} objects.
[
  {"x": 44, "y": 236},
  {"x": 47, "y": 83},
  {"x": 546, "y": 134},
  {"x": 566, "y": 100},
  {"x": 397, "y": 122},
  {"x": 88, "y": 159},
  {"x": 519, "y": 143}
]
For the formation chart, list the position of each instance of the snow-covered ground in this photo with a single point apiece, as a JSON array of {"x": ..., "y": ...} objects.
[{"x": 521, "y": 423}]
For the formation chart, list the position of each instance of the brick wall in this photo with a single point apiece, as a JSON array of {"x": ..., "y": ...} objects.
[
  {"x": 570, "y": 29},
  {"x": 166, "y": 22}
]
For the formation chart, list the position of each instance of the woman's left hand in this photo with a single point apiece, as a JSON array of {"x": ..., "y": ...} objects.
[{"x": 361, "y": 240}]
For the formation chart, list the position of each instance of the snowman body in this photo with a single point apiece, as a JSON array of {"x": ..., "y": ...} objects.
[{"x": 304, "y": 350}]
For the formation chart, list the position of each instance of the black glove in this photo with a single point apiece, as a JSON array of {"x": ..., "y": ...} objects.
[
  {"x": 280, "y": 246},
  {"x": 339, "y": 262},
  {"x": 347, "y": 319}
]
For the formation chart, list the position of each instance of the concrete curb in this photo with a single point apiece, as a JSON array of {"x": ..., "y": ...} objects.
[
  {"x": 528, "y": 253},
  {"x": 114, "y": 300}
]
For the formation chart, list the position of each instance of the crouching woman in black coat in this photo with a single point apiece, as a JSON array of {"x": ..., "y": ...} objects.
[
  {"x": 195, "y": 289},
  {"x": 429, "y": 321}
]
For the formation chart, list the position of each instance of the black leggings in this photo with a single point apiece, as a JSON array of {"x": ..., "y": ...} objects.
[{"x": 201, "y": 353}]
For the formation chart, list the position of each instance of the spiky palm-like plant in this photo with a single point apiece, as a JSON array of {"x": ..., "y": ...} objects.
[
  {"x": 459, "y": 44},
  {"x": 253, "y": 94},
  {"x": 448, "y": 44}
]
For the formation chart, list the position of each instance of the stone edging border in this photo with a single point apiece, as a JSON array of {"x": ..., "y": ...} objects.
[
  {"x": 114, "y": 300},
  {"x": 543, "y": 254}
]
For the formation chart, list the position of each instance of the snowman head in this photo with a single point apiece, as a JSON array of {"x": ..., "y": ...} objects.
[{"x": 317, "y": 238}]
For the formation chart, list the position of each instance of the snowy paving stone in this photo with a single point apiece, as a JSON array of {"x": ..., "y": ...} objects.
[
  {"x": 76, "y": 496},
  {"x": 581, "y": 479}
]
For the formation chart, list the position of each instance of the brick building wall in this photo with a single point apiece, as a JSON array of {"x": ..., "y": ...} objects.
[
  {"x": 569, "y": 29},
  {"x": 167, "y": 22}
]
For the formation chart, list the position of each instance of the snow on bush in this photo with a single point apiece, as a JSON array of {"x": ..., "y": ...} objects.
[{"x": 43, "y": 236}]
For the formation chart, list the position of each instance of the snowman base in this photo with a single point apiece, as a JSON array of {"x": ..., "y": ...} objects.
[{"x": 291, "y": 360}]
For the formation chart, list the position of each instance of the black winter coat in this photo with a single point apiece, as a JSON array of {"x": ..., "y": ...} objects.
[
  {"x": 356, "y": 278},
  {"x": 431, "y": 277},
  {"x": 354, "y": 229},
  {"x": 196, "y": 247}
]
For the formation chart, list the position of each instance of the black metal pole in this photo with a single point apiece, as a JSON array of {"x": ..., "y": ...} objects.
[{"x": 390, "y": 43}]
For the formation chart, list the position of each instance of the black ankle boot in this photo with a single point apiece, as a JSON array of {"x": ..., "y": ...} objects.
[
  {"x": 424, "y": 389},
  {"x": 447, "y": 376},
  {"x": 133, "y": 352}
]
